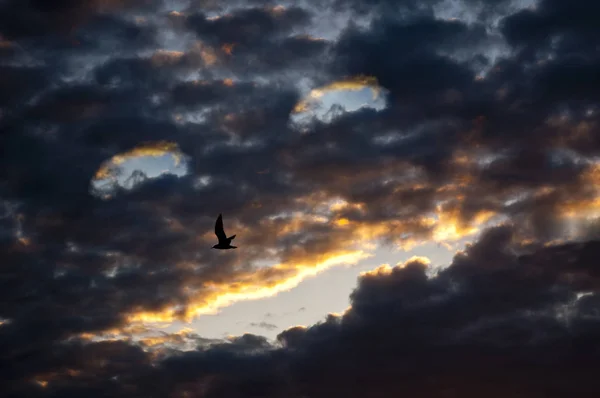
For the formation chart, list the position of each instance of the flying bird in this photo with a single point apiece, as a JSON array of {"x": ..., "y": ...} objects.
[{"x": 224, "y": 241}]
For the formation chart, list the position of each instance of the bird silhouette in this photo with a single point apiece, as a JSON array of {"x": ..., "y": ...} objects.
[{"x": 224, "y": 241}]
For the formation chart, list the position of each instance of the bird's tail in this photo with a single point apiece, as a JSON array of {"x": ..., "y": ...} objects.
[{"x": 231, "y": 237}]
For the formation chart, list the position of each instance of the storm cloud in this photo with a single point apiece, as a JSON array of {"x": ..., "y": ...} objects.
[{"x": 489, "y": 132}]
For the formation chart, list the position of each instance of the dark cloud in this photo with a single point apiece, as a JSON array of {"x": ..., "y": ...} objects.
[
  {"x": 249, "y": 27},
  {"x": 69, "y": 36},
  {"x": 18, "y": 84},
  {"x": 491, "y": 323},
  {"x": 406, "y": 57},
  {"x": 553, "y": 20},
  {"x": 396, "y": 8},
  {"x": 261, "y": 39},
  {"x": 264, "y": 325},
  {"x": 467, "y": 135}
]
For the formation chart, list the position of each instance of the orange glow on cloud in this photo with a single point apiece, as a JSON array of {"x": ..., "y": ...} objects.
[
  {"x": 173, "y": 338},
  {"x": 337, "y": 314},
  {"x": 262, "y": 283},
  {"x": 450, "y": 226},
  {"x": 227, "y": 48},
  {"x": 386, "y": 269},
  {"x": 165, "y": 57},
  {"x": 152, "y": 149},
  {"x": 355, "y": 83},
  {"x": 127, "y": 330},
  {"x": 206, "y": 53},
  {"x": 445, "y": 224},
  {"x": 342, "y": 222},
  {"x": 582, "y": 208},
  {"x": 25, "y": 241},
  {"x": 572, "y": 133},
  {"x": 269, "y": 281},
  {"x": 43, "y": 379}
]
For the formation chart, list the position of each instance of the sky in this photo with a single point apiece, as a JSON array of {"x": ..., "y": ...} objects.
[{"x": 414, "y": 187}]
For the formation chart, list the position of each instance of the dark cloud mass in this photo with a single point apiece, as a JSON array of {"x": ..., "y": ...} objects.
[{"x": 490, "y": 127}]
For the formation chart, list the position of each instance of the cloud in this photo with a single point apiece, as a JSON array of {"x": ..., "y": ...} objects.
[
  {"x": 253, "y": 285},
  {"x": 111, "y": 168},
  {"x": 260, "y": 40},
  {"x": 490, "y": 308},
  {"x": 247, "y": 26},
  {"x": 485, "y": 124},
  {"x": 18, "y": 83},
  {"x": 349, "y": 84},
  {"x": 264, "y": 325}
]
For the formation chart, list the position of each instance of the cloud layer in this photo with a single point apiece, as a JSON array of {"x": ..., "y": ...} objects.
[
  {"x": 492, "y": 323},
  {"x": 492, "y": 116}
]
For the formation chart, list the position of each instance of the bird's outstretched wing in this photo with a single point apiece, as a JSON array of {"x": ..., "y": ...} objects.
[{"x": 219, "y": 229}]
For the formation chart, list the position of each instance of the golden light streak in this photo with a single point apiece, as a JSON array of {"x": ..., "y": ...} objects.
[
  {"x": 365, "y": 232},
  {"x": 383, "y": 269},
  {"x": 124, "y": 333},
  {"x": 386, "y": 269},
  {"x": 176, "y": 337},
  {"x": 580, "y": 208},
  {"x": 420, "y": 259},
  {"x": 341, "y": 314},
  {"x": 151, "y": 149},
  {"x": 444, "y": 224},
  {"x": 257, "y": 285},
  {"x": 352, "y": 84},
  {"x": 355, "y": 83},
  {"x": 450, "y": 226},
  {"x": 342, "y": 222}
]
